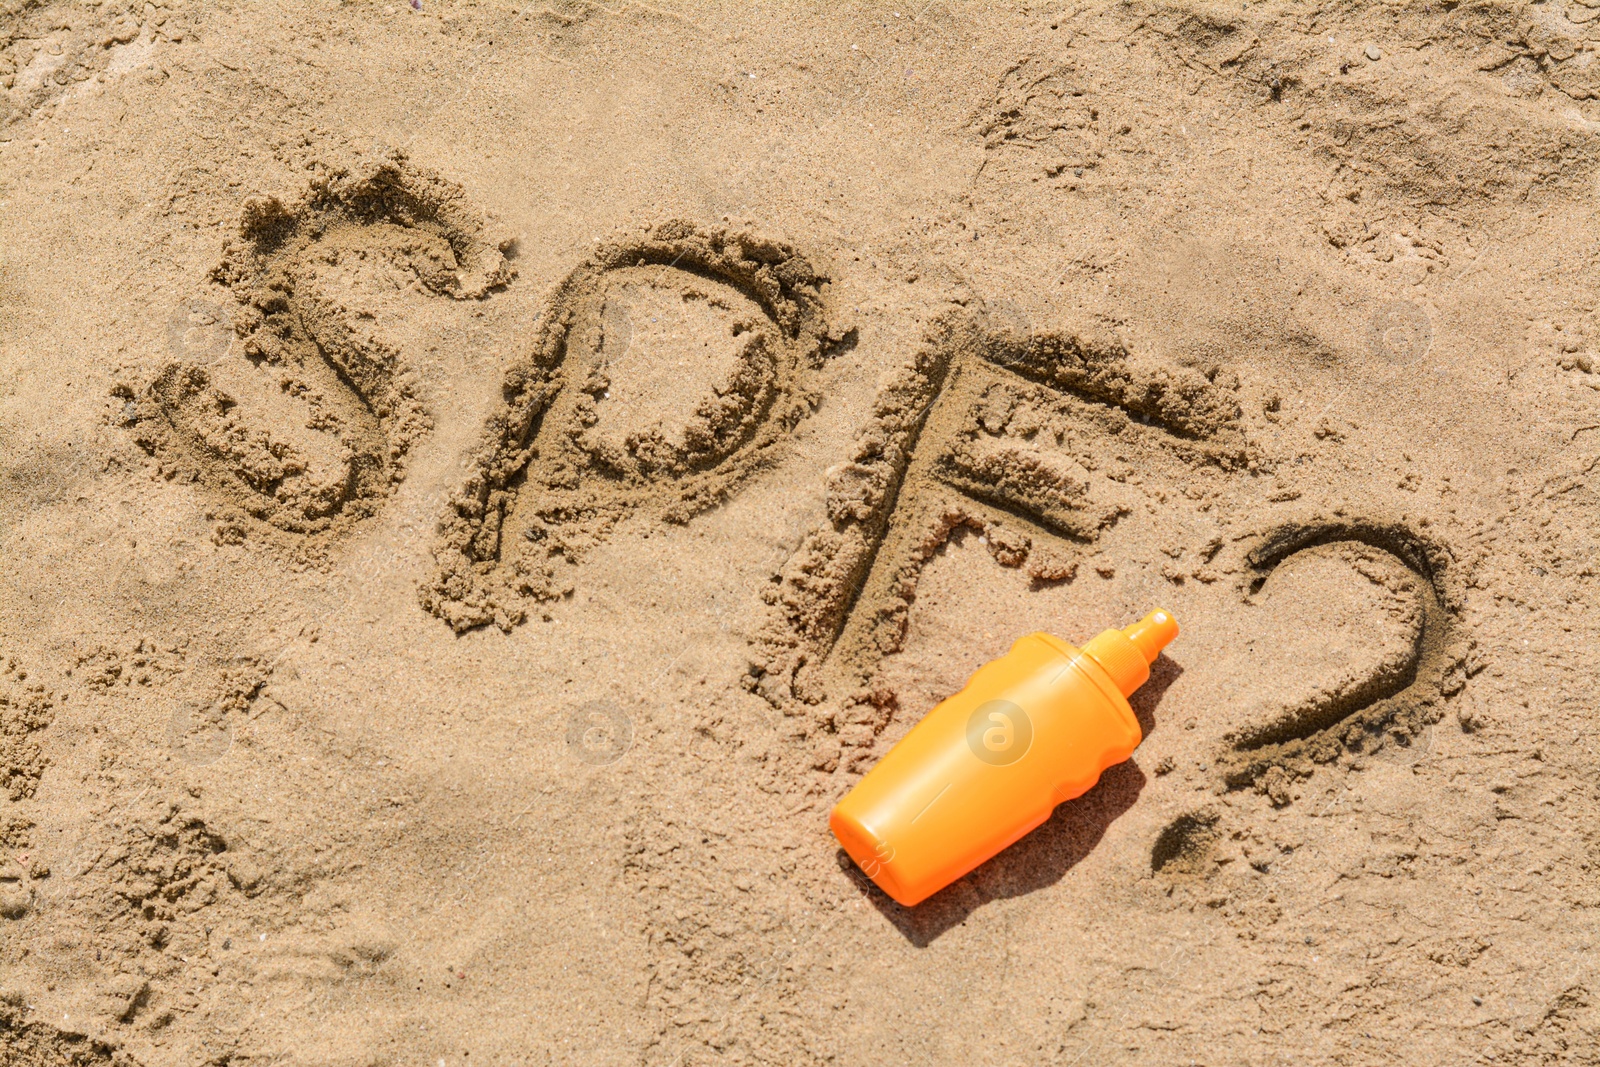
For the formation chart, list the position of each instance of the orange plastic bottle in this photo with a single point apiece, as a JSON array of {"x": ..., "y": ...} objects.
[{"x": 1029, "y": 730}]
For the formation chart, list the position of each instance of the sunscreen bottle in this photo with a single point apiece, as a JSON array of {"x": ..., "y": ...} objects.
[{"x": 1030, "y": 730}]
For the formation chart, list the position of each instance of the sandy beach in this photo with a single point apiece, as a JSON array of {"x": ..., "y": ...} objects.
[{"x": 480, "y": 480}]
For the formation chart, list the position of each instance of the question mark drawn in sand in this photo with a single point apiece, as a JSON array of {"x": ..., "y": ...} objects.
[{"x": 1034, "y": 441}]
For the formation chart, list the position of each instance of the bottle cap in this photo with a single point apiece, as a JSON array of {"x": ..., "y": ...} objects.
[
  {"x": 1126, "y": 654},
  {"x": 1152, "y": 633}
]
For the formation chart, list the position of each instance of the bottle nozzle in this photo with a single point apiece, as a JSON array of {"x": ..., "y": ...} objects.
[
  {"x": 1127, "y": 654},
  {"x": 1152, "y": 633}
]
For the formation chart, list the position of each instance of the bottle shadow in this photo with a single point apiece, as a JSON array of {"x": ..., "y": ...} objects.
[
  {"x": 1042, "y": 858},
  {"x": 1163, "y": 672}
]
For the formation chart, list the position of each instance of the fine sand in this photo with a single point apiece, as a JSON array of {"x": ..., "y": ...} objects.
[{"x": 478, "y": 481}]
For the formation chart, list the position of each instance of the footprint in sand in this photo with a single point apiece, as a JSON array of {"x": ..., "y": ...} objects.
[
  {"x": 667, "y": 369},
  {"x": 302, "y": 425}
]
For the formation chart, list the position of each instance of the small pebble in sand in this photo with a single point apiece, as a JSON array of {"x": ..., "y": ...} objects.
[{"x": 1373, "y": 53}]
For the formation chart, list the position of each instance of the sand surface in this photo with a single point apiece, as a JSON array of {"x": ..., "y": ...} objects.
[{"x": 479, "y": 480}]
